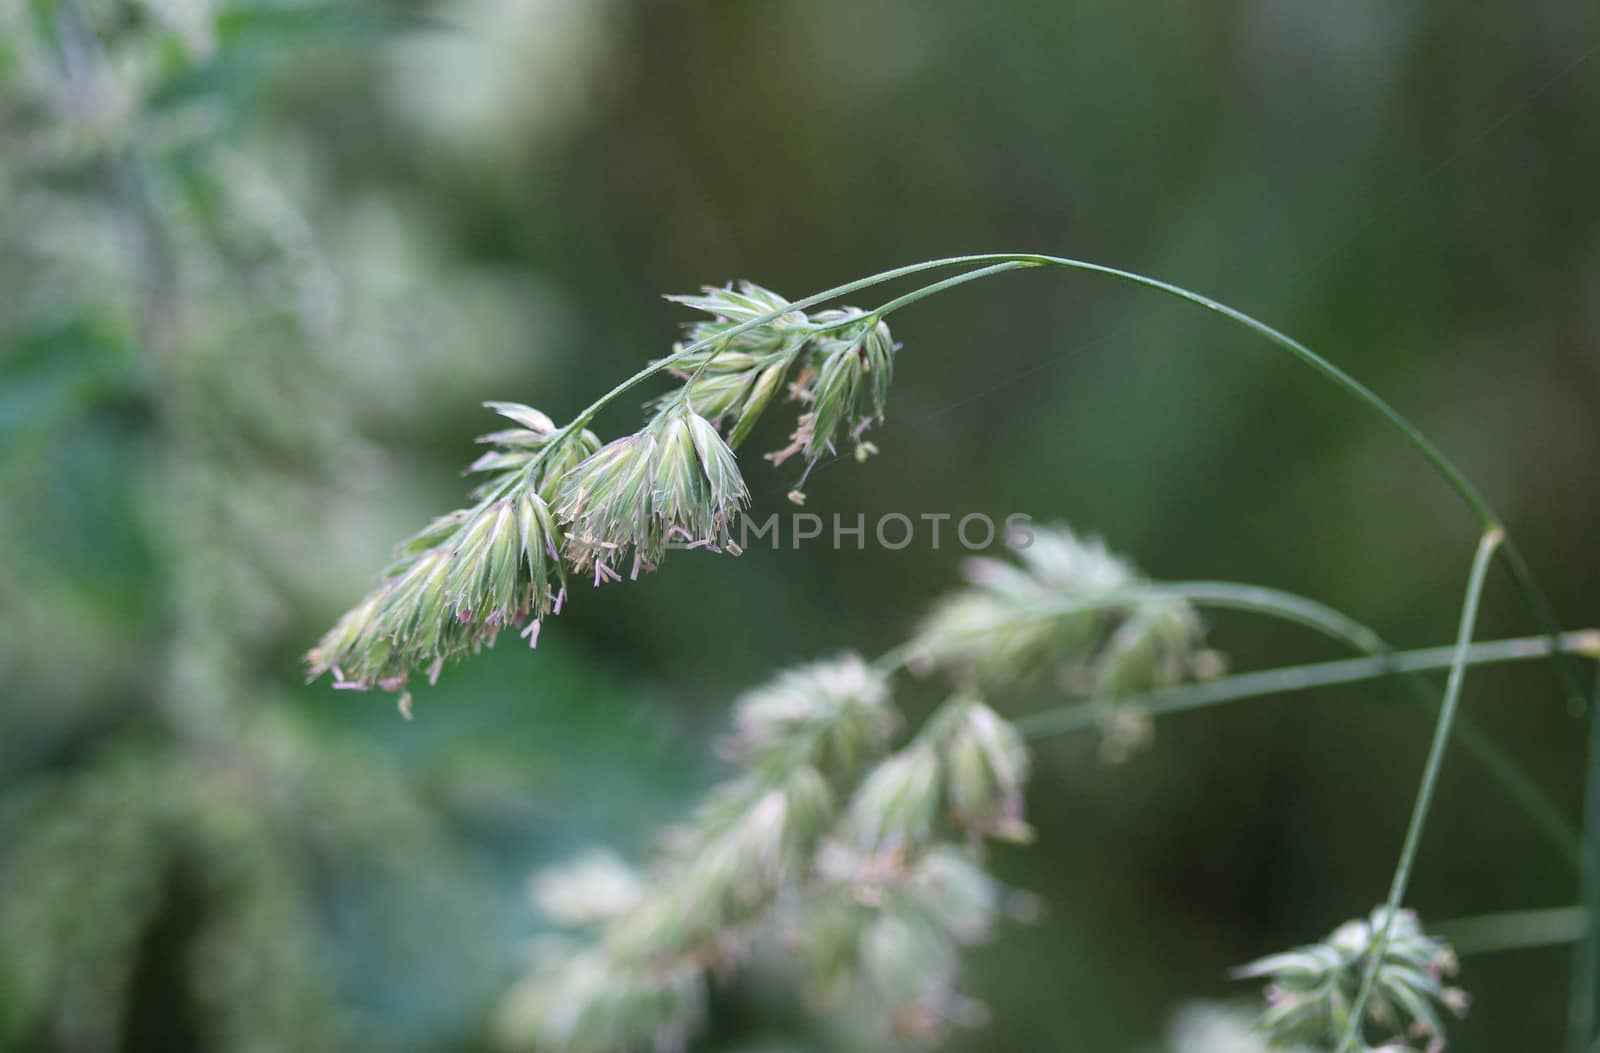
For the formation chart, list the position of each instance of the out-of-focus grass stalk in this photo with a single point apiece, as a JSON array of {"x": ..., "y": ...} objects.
[
  {"x": 1586, "y": 959},
  {"x": 1430, "y": 780},
  {"x": 1514, "y": 930},
  {"x": 1555, "y": 827},
  {"x": 1064, "y": 720}
]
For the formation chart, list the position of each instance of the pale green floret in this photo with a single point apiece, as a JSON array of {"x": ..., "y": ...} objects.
[
  {"x": 586, "y": 1003},
  {"x": 673, "y": 481},
  {"x": 986, "y": 770},
  {"x": 832, "y": 714},
  {"x": 898, "y": 931},
  {"x": 752, "y": 839},
  {"x": 1154, "y": 647},
  {"x": 854, "y": 367},
  {"x": 736, "y": 377},
  {"x": 912, "y": 966},
  {"x": 842, "y": 361},
  {"x": 594, "y": 887},
  {"x": 897, "y": 805},
  {"x": 1001, "y": 628},
  {"x": 949, "y": 886},
  {"x": 755, "y": 399},
  {"x": 730, "y": 306}
]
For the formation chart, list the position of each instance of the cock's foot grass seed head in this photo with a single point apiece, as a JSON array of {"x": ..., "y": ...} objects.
[
  {"x": 1013, "y": 621},
  {"x": 468, "y": 576},
  {"x": 497, "y": 571},
  {"x": 912, "y": 966},
  {"x": 513, "y": 447},
  {"x": 751, "y": 840},
  {"x": 675, "y": 480},
  {"x": 898, "y": 934},
  {"x": 592, "y": 888},
  {"x": 1311, "y": 990},
  {"x": 585, "y": 1002},
  {"x": 998, "y": 629},
  {"x": 986, "y": 770},
  {"x": 897, "y": 805},
  {"x": 824, "y": 838},
  {"x": 800, "y": 740},
  {"x": 845, "y": 384},
  {"x": 735, "y": 378},
  {"x": 834, "y": 713},
  {"x": 1158, "y": 644},
  {"x": 871, "y": 858},
  {"x": 838, "y": 363},
  {"x": 733, "y": 305},
  {"x": 854, "y": 365},
  {"x": 964, "y": 773},
  {"x": 555, "y": 497},
  {"x": 720, "y": 875}
]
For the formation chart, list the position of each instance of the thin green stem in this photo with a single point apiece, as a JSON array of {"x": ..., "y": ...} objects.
[
  {"x": 1222, "y": 594},
  {"x": 1545, "y": 814},
  {"x": 950, "y": 283},
  {"x": 1515, "y": 930},
  {"x": 1442, "y": 464},
  {"x": 1081, "y": 716},
  {"x": 1586, "y": 959},
  {"x": 1430, "y": 780}
]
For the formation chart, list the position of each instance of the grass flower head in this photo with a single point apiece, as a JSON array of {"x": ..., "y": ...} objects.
[
  {"x": 833, "y": 714},
  {"x": 1311, "y": 990},
  {"x": 673, "y": 481},
  {"x": 469, "y": 575},
  {"x": 1043, "y": 610},
  {"x": 986, "y": 770}
]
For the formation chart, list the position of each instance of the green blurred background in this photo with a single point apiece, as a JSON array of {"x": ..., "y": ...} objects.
[{"x": 260, "y": 263}]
